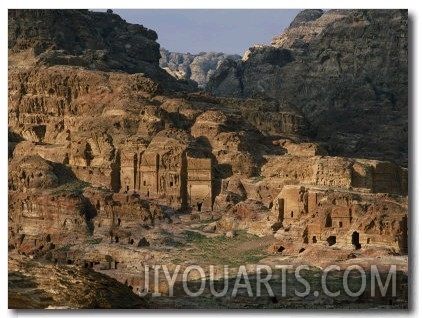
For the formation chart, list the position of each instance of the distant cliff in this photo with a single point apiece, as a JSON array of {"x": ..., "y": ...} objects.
[
  {"x": 197, "y": 67},
  {"x": 346, "y": 71}
]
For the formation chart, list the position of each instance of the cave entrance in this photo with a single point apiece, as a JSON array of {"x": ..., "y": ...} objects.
[
  {"x": 402, "y": 239},
  {"x": 314, "y": 240},
  {"x": 199, "y": 206},
  {"x": 280, "y": 249},
  {"x": 331, "y": 240},
  {"x": 40, "y": 131},
  {"x": 88, "y": 154},
  {"x": 328, "y": 221},
  {"x": 355, "y": 240},
  {"x": 135, "y": 169}
]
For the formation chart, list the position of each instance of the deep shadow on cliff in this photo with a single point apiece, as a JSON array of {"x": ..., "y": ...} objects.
[{"x": 345, "y": 71}]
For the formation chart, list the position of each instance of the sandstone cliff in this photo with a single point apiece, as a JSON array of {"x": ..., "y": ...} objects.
[
  {"x": 84, "y": 38},
  {"x": 345, "y": 71}
]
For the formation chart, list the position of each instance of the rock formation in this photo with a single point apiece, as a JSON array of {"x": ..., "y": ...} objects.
[
  {"x": 84, "y": 38},
  {"x": 196, "y": 67},
  {"x": 36, "y": 285},
  {"x": 343, "y": 71}
]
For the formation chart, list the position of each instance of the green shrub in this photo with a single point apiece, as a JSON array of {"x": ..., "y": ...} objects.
[
  {"x": 75, "y": 187},
  {"x": 94, "y": 241},
  {"x": 194, "y": 236}
]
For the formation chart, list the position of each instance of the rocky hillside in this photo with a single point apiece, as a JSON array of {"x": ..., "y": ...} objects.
[
  {"x": 39, "y": 285},
  {"x": 196, "y": 67},
  {"x": 345, "y": 71},
  {"x": 88, "y": 39}
]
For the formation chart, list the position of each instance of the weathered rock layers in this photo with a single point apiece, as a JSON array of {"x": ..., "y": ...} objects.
[
  {"x": 84, "y": 38},
  {"x": 345, "y": 71},
  {"x": 196, "y": 67}
]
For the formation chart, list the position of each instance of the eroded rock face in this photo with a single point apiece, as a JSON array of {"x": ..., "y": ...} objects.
[
  {"x": 230, "y": 143},
  {"x": 31, "y": 172},
  {"x": 84, "y": 38},
  {"x": 249, "y": 215},
  {"x": 338, "y": 172},
  {"x": 40, "y": 222},
  {"x": 196, "y": 67},
  {"x": 343, "y": 71},
  {"x": 314, "y": 215},
  {"x": 36, "y": 285}
]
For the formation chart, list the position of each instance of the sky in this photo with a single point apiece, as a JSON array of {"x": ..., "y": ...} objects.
[{"x": 231, "y": 31}]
